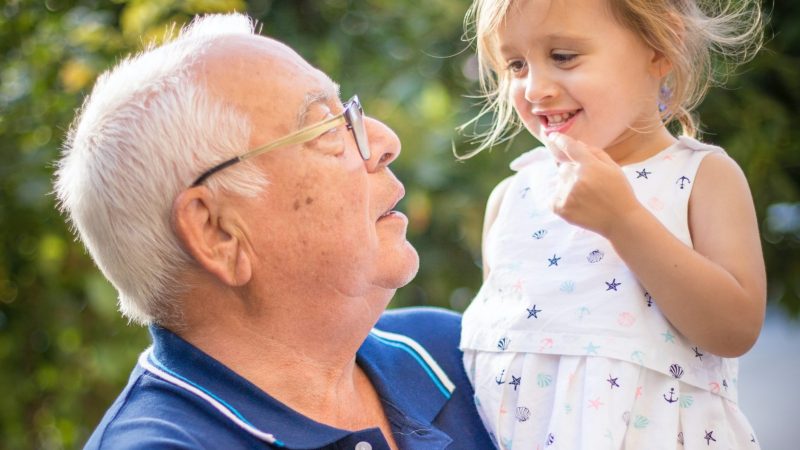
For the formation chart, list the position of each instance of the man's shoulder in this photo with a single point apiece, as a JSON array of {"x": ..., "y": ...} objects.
[
  {"x": 433, "y": 331},
  {"x": 431, "y": 327},
  {"x": 150, "y": 413}
]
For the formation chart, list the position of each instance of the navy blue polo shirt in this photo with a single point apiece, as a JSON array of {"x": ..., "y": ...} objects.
[{"x": 179, "y": 397}]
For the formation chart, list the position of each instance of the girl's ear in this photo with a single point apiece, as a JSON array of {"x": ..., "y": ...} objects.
[
  {"x": 660, "y": 65},
  {"x": 212, "y": 238}
]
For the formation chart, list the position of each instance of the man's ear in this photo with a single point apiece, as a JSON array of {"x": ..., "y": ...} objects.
[{"x": 212, "y": 239}]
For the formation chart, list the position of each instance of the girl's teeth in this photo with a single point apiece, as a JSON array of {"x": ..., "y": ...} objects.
[{"x": 556, "y": 119}]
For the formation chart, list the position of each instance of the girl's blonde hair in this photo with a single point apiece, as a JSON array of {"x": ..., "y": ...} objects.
[{"x": 703, "y": 39}]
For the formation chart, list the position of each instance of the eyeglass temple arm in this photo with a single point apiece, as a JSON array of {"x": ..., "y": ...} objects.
[{"x": 300, "y": 136}]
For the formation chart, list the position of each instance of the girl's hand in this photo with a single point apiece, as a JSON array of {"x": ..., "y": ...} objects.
[{"x": 593, "y": 192}]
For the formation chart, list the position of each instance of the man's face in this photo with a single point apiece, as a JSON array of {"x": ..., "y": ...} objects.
[{"x": 326, "y": 221}]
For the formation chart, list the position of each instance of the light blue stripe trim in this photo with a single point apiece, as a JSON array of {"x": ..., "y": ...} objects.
[
  {"x": 419, "y": 360},
  {"x": 152, "y": 359},
  {"x": 158, "y": 364}
]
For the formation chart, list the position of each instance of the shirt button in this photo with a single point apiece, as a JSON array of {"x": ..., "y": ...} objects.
[{"x": 363, "y": 445}]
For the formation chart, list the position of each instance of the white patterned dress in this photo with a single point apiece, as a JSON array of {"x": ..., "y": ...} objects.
[{"x": 565, "y": 348}]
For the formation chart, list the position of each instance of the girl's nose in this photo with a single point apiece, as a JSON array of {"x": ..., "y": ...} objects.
[{"x": 538, "y": 86}]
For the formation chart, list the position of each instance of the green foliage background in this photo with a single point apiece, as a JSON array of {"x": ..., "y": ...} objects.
[{"x": 64, "y": 349}]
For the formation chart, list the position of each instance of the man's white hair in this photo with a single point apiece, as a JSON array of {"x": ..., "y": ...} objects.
[{"x": 146, "y": 131}]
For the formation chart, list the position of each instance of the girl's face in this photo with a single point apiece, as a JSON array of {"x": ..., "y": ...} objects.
[{"x": 575, "y": 70}]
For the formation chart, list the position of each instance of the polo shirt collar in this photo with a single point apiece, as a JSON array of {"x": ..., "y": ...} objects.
[{"x": 410, "y": 384}]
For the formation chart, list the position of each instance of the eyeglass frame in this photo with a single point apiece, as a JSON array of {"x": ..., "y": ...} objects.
[{"x": 352, "y": 115}]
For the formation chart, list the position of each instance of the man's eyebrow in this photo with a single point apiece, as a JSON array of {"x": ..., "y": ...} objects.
[{"x": 316, "y": 96}]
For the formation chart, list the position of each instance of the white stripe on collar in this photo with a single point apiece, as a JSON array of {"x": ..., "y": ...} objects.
[
  {"x": 157, "y": 369},
  {"x": 438, "y": 375}
]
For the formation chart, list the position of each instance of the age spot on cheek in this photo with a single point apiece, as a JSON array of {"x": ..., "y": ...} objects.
[{"x": 296, "y": 205}]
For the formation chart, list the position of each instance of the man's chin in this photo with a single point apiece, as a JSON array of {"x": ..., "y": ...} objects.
[{"x": 403, "y": 269}]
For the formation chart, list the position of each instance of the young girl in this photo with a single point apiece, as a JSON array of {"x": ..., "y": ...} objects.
[{"x": 623, "y": 268}]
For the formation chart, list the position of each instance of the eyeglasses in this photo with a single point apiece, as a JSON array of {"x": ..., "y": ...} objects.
[{"x": 352, "y": 116}]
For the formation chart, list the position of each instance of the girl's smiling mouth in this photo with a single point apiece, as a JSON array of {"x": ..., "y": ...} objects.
[{"x": 557, "y": 121}]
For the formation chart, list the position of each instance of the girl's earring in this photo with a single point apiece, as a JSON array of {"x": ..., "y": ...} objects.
[{"x": 664, "y": 95}]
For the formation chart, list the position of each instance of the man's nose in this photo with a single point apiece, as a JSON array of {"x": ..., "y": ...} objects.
[
  {"x": 538, "y": 86},
  {"x": 384, "y": 144}
]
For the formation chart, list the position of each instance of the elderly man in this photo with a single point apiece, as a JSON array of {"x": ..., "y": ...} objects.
[{"x": 247, "y": 215}]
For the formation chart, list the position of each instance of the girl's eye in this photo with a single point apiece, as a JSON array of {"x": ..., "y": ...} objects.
[
  {"x": 515, "y": 66},
  {"x": 563, "y": 58}
]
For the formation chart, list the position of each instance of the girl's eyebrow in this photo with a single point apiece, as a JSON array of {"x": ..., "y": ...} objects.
[{"x": 553, "y": 39}]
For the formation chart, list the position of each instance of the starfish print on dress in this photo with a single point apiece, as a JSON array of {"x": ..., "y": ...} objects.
[
  {"x": 612, "y": 381},
  {"x": 643, "y": 174},
  {"x": 709, "y": 437},
  {"x": 553, "y": 261},
  {"x": 532, "y": 312},
  {"x": 668, "y": 337},
  {"x": 591, "y": 349},
  {"x": 596, "y": 403},
  {"x": 613, "y": 285},
  {"x": 515, "y": 381}
]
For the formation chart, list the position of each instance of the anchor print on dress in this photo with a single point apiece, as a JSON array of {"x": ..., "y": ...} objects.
[
  {"x": 595, "y": 256},
  {"x": 499, "y": 379},
  {"x": 682, "y": 182},
  {"x": 648, "y": 298},
  {"x": 697, "y": 353},
  {"x": 612, "y": 382},
  {"x": 643, "y": 174},
  {"x": 672, "y": 398}
]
